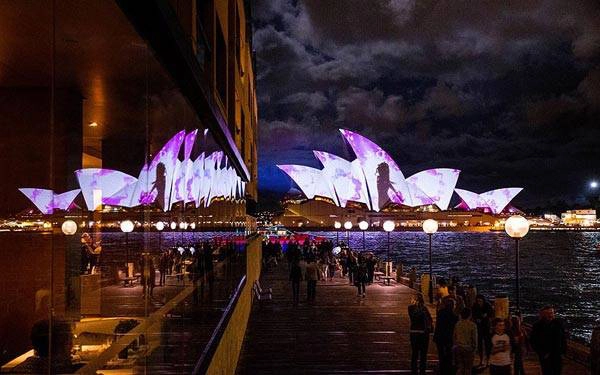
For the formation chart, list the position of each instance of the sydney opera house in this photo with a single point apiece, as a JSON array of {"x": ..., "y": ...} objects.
[
  {"x": 163, "y": 182},
  {"x": 372, "y": 187}
]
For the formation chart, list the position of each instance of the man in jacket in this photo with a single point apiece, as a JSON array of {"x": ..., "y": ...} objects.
[
  {"x": 465, "y": 343},
  {"x": 443, "y": 335},
  {"x": 549, "y": 341},
  {"x": 420, "y": 328}
]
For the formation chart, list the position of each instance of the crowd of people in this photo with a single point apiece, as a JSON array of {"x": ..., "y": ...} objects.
[
  {"x": 195, "y": 260},
  {"x": 466, "y": 326},
  {"x": 312, "y": 261}
]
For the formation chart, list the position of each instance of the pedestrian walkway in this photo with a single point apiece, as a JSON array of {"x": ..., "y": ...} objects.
[{"x": 339, "y": 333}]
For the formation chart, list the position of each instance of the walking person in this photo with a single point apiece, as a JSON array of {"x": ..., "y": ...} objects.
[
  {"x": 465, "y": 343},
  {"x": 412, "y": 277},
  {"x": 500, "y": 361},
  {"x": 351, "y": 261},
  {"x": 361, "y": 277},
  {"x": 295, "y": 278},
  {"x": 444, "y": 335},
  {"x": 312, "y": 276},
  {"x": 163, "y": 266},
  {"x": 548, "y": 339},
  {"x": 519, "y": 344},
  {"x": 482, "y": 313},
  {"x": 420, "y": 328}
]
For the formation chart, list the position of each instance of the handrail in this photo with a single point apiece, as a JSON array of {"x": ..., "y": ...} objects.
[
  {"x": 124, "y": 341},
  {"x": 211, "y": 347}
]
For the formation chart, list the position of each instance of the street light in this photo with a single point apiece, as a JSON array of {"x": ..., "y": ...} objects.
[
  {"x": 127, "y": 227},
  {"x": 430, "y": 226},
  {"x": 173, "y": 225},
  {"x": 337, "y": 225},
  {"x": 159, "y": 227},
  {"x": 348, "y": 226},
  {"x": 388, "y": 226},
  {"x": 363, "y": 225},
  {"x": 69, "y": 227},
  {"x": 594, "y": 184},
  {"x": 517, "y": 227}
]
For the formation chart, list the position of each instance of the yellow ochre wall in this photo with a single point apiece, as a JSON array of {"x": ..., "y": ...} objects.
[{"x": 227, "y": 354}]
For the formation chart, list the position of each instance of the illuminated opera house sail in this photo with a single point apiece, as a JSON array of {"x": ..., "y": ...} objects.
[
  {"x": 375, "y": 180},
  {"x": 164, "y": 181}
]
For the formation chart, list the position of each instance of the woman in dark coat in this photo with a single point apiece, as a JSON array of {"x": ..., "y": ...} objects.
[{"x": 482, "y": 315}]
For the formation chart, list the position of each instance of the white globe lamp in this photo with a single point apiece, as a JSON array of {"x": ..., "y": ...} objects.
[{"x": 69, "y": 227}]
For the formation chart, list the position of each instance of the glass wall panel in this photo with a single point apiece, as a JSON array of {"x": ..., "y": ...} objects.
[{"x": 123, "y": 221}]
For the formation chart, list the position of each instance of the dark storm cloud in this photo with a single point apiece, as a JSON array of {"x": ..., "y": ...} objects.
[{"x": 507, "y": 91}]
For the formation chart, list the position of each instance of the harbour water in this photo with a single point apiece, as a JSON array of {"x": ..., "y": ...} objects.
[{"x": 557, "y": 268}]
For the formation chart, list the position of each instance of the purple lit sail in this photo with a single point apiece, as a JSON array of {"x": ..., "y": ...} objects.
[
  {"x": 494, "y": 200},
  {"x": 46, "y": 201},
  {"x": 102, "y": 182},
  {"x": 346, "y": 178},
  {"x": 437, "y": 184},
  {"x": 498, "y": 199},
  {"x": 310, "y": 180},
  {"x": 196, "y": 180},
  {"x": 383, "y": 176},
  {"x": 64, "y": 200},
  {"x": 211, "y": 163},
  {"x": 156, "y": 179}
]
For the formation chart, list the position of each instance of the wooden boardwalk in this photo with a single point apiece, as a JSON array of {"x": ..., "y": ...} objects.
[{"x": 339, "y": 333}]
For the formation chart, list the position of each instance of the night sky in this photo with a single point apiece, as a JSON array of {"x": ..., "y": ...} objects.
[{"x": 509, "y": 94}]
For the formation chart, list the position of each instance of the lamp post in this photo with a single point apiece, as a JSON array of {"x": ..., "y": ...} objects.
[
  {"x": 430, "y": 226},
  {"x": 517, "y": 227},
  {"x": 388, "y": 226},
  {"x": 363, "y": 225},
  {"x": 337, "y": 225},
  {"x": 127, "y": 227},
  {"x": 69, "y": 228},
  {"x": 348, "y": 226},
  {"x": 159, "y": 227}
]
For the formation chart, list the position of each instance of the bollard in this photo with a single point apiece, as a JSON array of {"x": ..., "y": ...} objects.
[
  {"x": 399, "y": 273},
  {"x": 425, "y": 286},
  {"x": 388, "y": 268},
  {"x": 595, "y": 351},
  {"x": 501, "y": 307}
]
